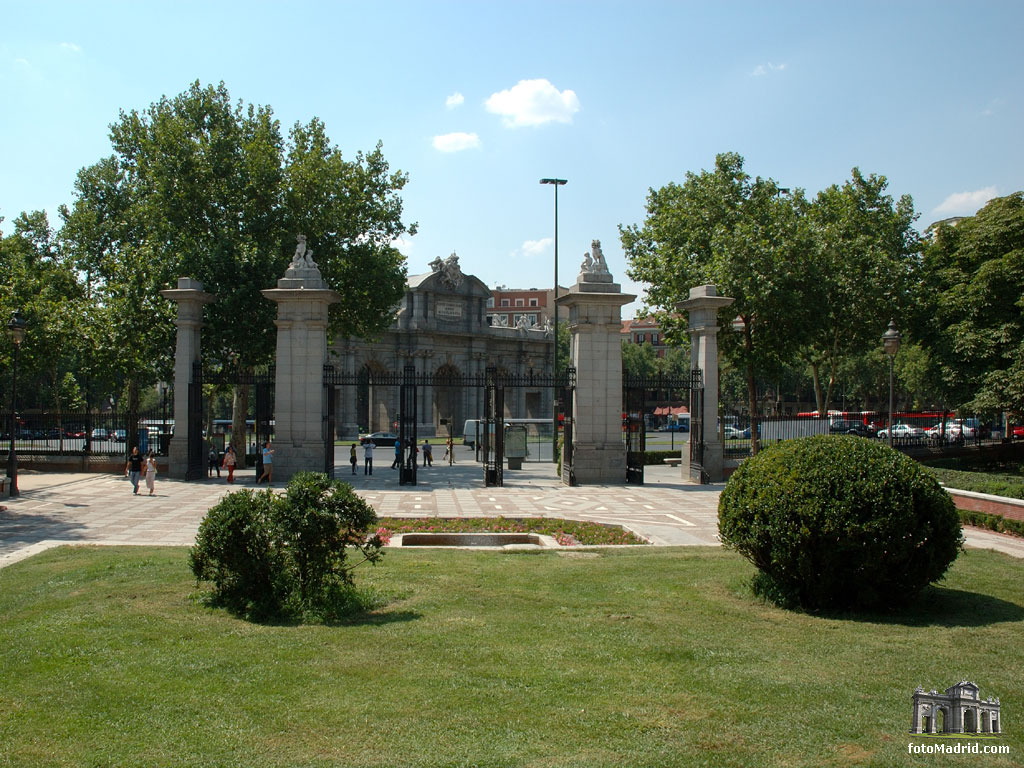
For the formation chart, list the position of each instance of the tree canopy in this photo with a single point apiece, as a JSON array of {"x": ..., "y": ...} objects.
[{"x": 971, "y": 313}]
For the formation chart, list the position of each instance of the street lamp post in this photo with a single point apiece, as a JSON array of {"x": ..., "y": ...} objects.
[
  {"x": 891, "y": 342},
  {"x": 16, "y": 328},
  {"x": 556, "y": 183}
]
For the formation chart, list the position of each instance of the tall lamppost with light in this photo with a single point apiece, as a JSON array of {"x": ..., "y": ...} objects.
[
  {"x": 16, "y": 328},
  {"x": 891, "y": 342},
  {"x": 556, "y": 183}
]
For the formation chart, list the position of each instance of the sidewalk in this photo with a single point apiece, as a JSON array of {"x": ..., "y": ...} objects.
[{"x": 100, "y": 509}]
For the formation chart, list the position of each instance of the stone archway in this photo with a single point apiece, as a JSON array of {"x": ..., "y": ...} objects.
[
  {"x": 374, "y": 410},
  {"x": 941, "y": 720},
  {"x": 448, "y": 399},
  {"x": 970, "y": 720}
]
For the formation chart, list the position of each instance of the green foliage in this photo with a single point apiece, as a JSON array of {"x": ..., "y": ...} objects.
[
  {"x": 579, "y": 532},
  {"x": 652, "y": 458},
  {"x": 996, "y": 523},
  {"x": 971, "y": 311},
  {"x": 284, "y": 557},
  {"x": 839, "y": 522},
  {"x": 1001, "y": 484}
]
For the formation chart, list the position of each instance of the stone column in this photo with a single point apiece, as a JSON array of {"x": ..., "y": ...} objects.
[
  {"x": 300, "y": 408},
  {"x": 702, "y": 308},
  {"x": 594, "y": 307},
  {"x": 190, "y": 297}
]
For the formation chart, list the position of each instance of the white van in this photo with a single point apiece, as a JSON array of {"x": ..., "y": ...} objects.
[{"x": 471, "y": 431}]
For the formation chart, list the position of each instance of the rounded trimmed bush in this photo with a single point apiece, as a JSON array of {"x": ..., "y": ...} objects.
[{"x": 835, "y": 521}]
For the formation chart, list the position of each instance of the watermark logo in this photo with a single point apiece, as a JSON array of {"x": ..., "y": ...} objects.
[{"x": 960, "y": 710}]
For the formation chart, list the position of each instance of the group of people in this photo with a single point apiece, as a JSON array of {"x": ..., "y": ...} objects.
[
  {"x": 412, "y": 450},
  {"x": 139, "y": 466},
  {"x": 230, "y": 461}
]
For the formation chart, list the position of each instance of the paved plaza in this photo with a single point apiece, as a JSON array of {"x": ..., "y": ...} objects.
[{"x": 56, "y": 509}]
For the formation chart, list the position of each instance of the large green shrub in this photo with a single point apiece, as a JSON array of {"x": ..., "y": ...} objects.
[
  {"x": 835, "y": 521},
  {"x": 271, "y": 556}
]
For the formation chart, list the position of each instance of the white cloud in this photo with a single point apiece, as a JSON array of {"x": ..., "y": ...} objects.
[
  {"x": 534, "y": 102},
  {"x": 455, "y": 100},
  {"x": 456, "y": 142},
  {"x": 764, "y": 69},
  {"x": 71, "y": 47},
  {"x": 965, "y": 203},
  {"x": 404, "y": 245},
  {"x": 533, "y": 248}
]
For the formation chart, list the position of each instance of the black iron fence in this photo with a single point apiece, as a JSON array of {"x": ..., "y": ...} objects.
[
  {"x": 934, "y": 430},
  {"x": 74, "y": 433}
]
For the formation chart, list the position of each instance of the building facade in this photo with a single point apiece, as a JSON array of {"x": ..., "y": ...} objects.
[
  {"x": 442, "y": 327},
  {"x": 959, "y": 710},
  {"x": 645, "y": 330}
]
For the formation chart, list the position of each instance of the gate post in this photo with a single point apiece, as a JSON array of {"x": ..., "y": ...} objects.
[
  {"x": 702, "y": 308},
  {"x": 595, "y": 323},
  {"x": 190, "y": 297},
  {"x": 300, "y": 405}
]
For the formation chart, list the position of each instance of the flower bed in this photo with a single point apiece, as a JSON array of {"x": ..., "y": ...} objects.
[{"x": 566, "y": 532}]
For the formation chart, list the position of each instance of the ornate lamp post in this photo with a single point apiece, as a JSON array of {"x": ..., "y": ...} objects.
[
  {"x": 556, "y": 183},
  {"x": 891, "y": 342},
  {"x": 16, "y": 328}
]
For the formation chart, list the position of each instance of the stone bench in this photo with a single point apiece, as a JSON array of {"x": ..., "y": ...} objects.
[{"x": 673, "y": 462}]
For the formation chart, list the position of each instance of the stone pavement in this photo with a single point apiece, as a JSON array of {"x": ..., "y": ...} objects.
[{"x": 57, "y": 509}]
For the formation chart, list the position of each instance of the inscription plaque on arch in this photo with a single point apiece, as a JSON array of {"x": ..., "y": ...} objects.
[{"x": 448, "y": 310}]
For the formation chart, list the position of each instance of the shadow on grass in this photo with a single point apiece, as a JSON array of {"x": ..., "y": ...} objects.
[{"x": 944, "y": 607}]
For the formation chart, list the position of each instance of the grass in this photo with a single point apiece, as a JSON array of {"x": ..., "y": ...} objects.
[
  {"x": 995, "y": 483},
  {"x": 635, "y": 657}
]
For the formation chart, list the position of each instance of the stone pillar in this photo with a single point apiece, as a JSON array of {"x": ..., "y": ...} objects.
[
  {"x": 300, "y": 408},
  {"x": 702, "y": 308},
  {"x": 594, "y": 307},
  {"x": 190, "y": 297}
]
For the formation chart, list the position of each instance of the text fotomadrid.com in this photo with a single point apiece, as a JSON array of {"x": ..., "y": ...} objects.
[{"x": 960, "y": 748}]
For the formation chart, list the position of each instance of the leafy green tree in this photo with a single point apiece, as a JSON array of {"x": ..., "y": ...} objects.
[
  {"x": 202, "y": 187},
  {"x": 639, "y": 359},
  {"x": 747, "y": 237},
  {"x": 971, "y": 307},
  {"x": 42, "y": 284},
  {"x": 865, "y": 256}
]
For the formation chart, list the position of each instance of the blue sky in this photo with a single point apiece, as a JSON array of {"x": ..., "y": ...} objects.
[{"x": 477, "y": 101}]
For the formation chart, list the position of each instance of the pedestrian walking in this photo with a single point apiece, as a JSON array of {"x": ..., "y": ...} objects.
[
  {"x": 352, "y": 458},
  {"x": 151, "y": 472},
  {"x": 133, "y": 469},
  {"x": 212, "y": 463},
  {"x": 368, "y": 457},
  {"x": 268, "y": 464},
  {"x": 398, "y": 455},
  {"x": 449, "y": 451},
  {"x": 428, "y": 454},
  {"x": 230, "y": 460}
]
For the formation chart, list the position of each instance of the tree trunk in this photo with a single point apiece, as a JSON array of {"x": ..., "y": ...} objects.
[{"x": 239, "y": 414}]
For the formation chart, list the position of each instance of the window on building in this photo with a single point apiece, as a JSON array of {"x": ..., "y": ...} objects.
[
  {"x": 520, "y": 303},
  {"x": 506, "y": 303},
  {"x": 533, "y": 303},
  {"x": 641, "y": 338},
  {"x": 532, "y": 319},
  {"x": 490, "y": 303}
]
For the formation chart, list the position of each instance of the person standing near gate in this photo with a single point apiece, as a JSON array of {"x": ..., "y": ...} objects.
[
  {"x": 398, "y": 455},
  {"x": 368, "y": 457},
  {"x": 428, "y": 454},
  {"x": 268, "y": 464},
  {"x": 352, "y": 458},
  {"x": 229, "y": 462},
  {"x": 449, "y": 451},
  {"x": 150, "y": 465},
  {"x": 133, "y": 469}
]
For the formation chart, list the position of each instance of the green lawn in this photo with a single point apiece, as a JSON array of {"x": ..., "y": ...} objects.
[{"x": 636, "y": 657}]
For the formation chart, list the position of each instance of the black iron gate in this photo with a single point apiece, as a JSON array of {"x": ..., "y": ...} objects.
[
  {"x": 493, "y": 438},
  {"x": 196, "y": 467},
  {"x": 638, "y": 393},
  {"x": 566, "y": 394},
  {"x": 494, "y": 381},
  {"x": 407, "y": 414}
]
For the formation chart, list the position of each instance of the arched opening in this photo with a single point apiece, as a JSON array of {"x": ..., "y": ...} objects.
[
  {"x": 372, "y": 412},
  {"x": 926, "y": 724},
  {"x": 448, "y": 409},
  {"x": 941, "y": 720},
  {"x": 970, "y": 721},
  {"x": 995, "y": 723},
  {"x": 986, "y": 724}
]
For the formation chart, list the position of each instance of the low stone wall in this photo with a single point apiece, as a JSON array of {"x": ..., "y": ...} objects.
[
  {"x": 1011, "y": 509},
  {"x": 80, "y": 463}
]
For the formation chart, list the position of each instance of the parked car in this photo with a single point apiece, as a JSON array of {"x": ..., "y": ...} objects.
[
  {"x": 1017, "y": 432},
  {"x": 119, "y": 436},
  {"x": 679, "y": 426},
  {"x": 99, "y": 434},
  {"x": 379, "y": 438},
  {"x": 850, "y": 427},
  {"x": 903, "y": 432},
  {"x": 735, "y": 433}
]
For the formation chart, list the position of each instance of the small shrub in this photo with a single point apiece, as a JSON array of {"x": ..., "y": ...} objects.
[
  {"x": 285, "y": 556},
  {"x": 834, "y": 521}
]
